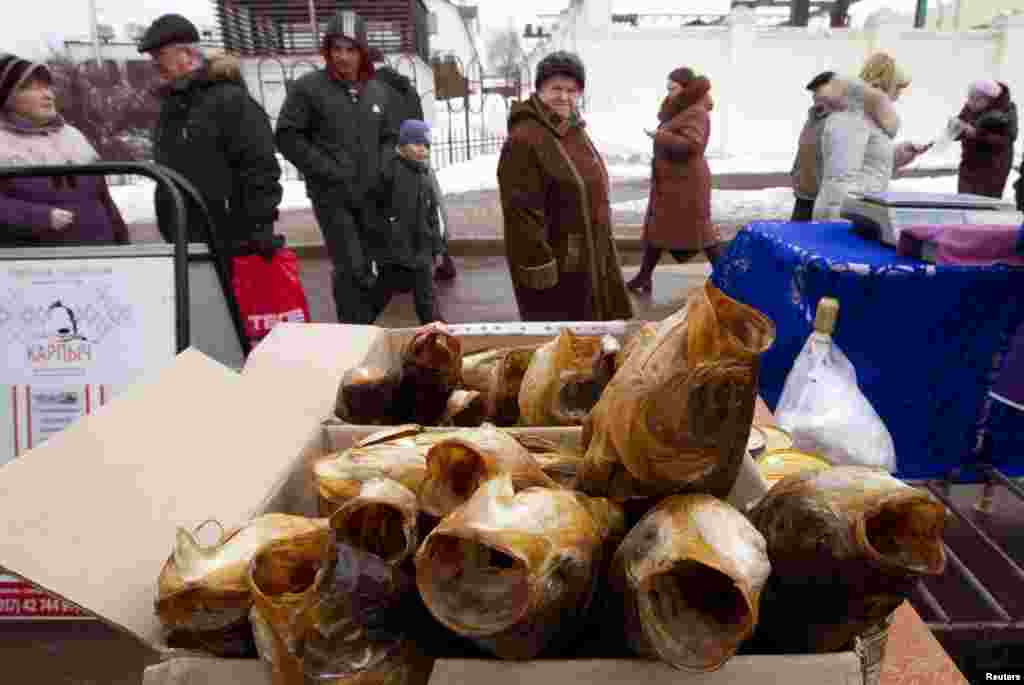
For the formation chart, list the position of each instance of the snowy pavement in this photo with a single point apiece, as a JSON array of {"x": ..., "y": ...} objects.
[{"x": 479, "y": 174}]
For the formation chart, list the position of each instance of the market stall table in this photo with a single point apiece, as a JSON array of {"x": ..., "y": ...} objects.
[{"x": 925, "y": 340}]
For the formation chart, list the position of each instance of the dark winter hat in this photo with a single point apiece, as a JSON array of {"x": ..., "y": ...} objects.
[
  {"x": 346, "y": 24},
  {"x": 414, "y": 132},
  {"x": 168, "y": 29},
  {"x": 14, "y": 71},
  {"x": 682, "y": 75},
  {"x": 560, "y": 63},
  {"x": 820, "y": 80}
]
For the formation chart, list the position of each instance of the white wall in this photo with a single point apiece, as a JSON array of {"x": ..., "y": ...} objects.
[{"x": 758, "y": 73}]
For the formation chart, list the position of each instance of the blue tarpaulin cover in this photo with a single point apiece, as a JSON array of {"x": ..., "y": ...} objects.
[{"x": 927, "y": 341}]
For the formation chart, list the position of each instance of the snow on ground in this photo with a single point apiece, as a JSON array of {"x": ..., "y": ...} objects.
[
  {"x": 620, "y": 137},
  {"x": 738, "y": 206},
  {"x": 727, "y": 206}
]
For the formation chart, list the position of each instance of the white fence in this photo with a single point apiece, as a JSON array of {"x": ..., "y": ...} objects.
[{"x": 758, "y": 73}]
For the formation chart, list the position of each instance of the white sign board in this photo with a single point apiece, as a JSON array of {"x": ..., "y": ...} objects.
[
  {"x": 85, "y": 320},
  {"x": 72, "y": 332}
]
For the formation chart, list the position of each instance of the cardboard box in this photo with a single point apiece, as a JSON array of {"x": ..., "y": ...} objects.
[{"x": 198, "y": 441}]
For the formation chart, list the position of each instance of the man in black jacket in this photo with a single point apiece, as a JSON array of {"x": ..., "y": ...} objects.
[
  {"x": 212, "y": 132},
  {"x": 338, "y": 127}
]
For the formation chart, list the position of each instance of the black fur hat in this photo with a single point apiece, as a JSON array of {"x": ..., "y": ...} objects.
[
  {"x": 170, "y": 28},
  {"x": 561, "y": 63},
  {"x": 820, "y": 80}
]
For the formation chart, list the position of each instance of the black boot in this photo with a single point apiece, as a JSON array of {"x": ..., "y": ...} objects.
[{"x": 642, "y": 283}]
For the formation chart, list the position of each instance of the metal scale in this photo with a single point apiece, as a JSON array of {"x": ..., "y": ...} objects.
[{"x": 884, "y": 215}]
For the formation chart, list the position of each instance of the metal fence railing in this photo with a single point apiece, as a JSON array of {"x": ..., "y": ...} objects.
[
  {"x": 456, "y": 149},
  {"x": 445, "y": 152}
]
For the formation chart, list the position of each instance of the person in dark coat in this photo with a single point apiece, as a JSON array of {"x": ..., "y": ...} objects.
[
  {"x": 212, "y": 132},
  {"x": 408, "y": 238},
  {"x": 679, "y": 209},
  {"x": 410, "y": 106},
  {"x": 36, "y": 212},
  {"x": 804, "y": 175},
  {"x": 554, "y": 198},
  {"x": 988, "y": 131},
  {"x": 339, "y": 128}
]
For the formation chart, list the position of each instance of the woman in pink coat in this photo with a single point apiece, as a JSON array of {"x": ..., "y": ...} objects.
[{"x": 679, "y": 210}]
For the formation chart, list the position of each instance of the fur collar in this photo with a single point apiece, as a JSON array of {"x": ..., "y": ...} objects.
[
  {"x": 221, "y": 68},
  {"x": 692, "y": 93},
  {"x": 538, "y": 111}
]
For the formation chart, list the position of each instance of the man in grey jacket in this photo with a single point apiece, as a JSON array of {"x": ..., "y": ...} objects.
[
  {"x": 338, "y": 127},
  {"x": 805, "y": 172}
]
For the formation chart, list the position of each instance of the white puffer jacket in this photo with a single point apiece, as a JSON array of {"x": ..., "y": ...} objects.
[{"x": 856, "y": 153}]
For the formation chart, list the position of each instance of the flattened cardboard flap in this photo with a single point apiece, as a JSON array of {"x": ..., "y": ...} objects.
[
  {"x": 303, "y": 363},
  {"x": 91, "y": 514}
]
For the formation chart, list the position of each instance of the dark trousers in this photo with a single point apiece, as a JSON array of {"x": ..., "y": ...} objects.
[
  {"x": 803, "y": 210},
  {"x": 392, "y": 279},
  {"x": 352, "y": 278}
]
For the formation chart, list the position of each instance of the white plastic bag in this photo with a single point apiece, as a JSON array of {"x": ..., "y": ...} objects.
[{"x": 825, "y": 412}]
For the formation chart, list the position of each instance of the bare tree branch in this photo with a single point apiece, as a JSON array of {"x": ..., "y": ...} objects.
[{"x": 116, "y": 113}]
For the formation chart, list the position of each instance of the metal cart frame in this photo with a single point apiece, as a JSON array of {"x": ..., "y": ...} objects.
[{"x": 178, "y": 188}]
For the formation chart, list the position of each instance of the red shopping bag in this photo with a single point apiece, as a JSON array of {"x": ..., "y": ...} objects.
[{"x": 268, "y": 292}]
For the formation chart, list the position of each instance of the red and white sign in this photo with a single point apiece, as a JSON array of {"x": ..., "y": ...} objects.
[
  {"x": 72, "y": 333},
  {"x": 20, "y": 600},
  {"x": 37, "y": 412}
]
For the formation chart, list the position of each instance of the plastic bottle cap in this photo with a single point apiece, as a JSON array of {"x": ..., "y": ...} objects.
[{"x": 825, "y": 317}]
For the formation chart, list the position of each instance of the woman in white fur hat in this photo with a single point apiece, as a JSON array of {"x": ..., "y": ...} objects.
[{"x": 988, "y": 129}]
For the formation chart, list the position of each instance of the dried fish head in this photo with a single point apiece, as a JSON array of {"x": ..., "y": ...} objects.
[
  {"x": 676, "y": 417},
  {"x": 851, "y": 515},
  {"x": 459, "y": 464},
  {"x": 436, "y": 350},
  {"x": 284, "y": 576},
  {"x": 381, "y": 520},
  {"x": 639, "y": 339},
  {"x": 465, "y": 408},
  {"x": 498, "y": 376},
  {"x": 366, "y": 395},
  {"x": 565, "y": 379},
  {"x": 690, "y": 575},
  {"x": 512, "y": 571},
  {"x": 431, "y": 370},
  {"x": 559, "y": 461},
  {"x": 204, "y": 589},
  {"x": 398, "y": 454},
  {"x": 850, "y": 543},
  {"x": 353, "y": 630}
]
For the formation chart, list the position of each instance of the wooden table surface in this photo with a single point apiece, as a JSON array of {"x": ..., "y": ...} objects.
[{"x": 912, "y": 654}]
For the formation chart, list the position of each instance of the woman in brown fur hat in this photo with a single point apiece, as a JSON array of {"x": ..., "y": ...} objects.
[
  {"x": 554, "y": 197},
  {"x": 679, "y": 209}
]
